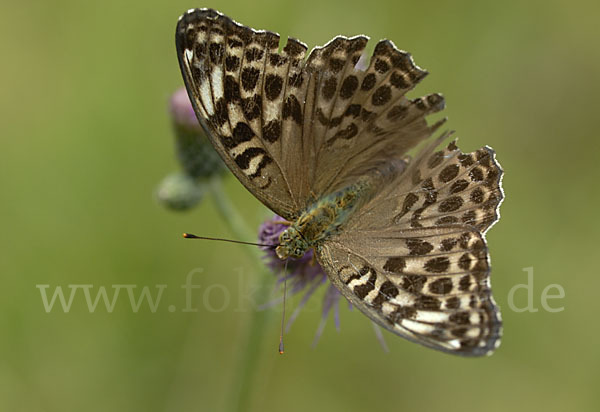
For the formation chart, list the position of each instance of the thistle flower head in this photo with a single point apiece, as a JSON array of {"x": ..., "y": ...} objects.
[{"x": 304, "y": 275}]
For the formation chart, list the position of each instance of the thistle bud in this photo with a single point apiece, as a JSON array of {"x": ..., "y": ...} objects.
[{"x": 180, "y": 191}]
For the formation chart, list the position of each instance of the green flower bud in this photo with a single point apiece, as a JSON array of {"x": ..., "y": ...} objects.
[{"x": 180, "y": 191}]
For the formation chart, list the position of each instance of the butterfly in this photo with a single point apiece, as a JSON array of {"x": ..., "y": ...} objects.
[{"x": 322, "y": 141}]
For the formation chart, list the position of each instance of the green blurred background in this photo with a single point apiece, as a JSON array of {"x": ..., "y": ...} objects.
[{"x": 86, "y": 137}]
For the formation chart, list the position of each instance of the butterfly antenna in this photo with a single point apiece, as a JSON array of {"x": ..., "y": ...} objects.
[
  {"x": 283, "y": 314},
  {"x": 191, "y": 236}
]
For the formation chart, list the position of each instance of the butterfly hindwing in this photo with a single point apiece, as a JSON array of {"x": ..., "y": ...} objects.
[
  {"x": 362, "y": 111},
  {"x": 444, "y": 187}
]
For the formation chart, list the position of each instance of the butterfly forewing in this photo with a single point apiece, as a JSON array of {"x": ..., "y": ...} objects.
[
  {"x": 281, "y": 121},
  {"x": 225, "y": 67}
]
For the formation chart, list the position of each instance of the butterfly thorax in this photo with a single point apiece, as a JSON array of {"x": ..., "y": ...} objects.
[{"x": 322, "y": 219}]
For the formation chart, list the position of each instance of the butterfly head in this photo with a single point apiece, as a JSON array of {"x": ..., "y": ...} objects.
[{"x": 291, "y": 244}]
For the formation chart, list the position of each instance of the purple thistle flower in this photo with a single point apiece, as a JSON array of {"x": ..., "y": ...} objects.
[{"x": 304, "y": 275}]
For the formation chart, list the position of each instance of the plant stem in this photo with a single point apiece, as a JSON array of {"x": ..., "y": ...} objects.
[{"x": 249, "y": 352}]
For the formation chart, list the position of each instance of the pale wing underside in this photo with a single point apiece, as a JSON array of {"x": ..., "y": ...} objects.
[
  {"x": 293, "y": 129},
  {"x": 415, "y": 258}
]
